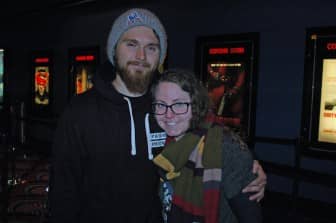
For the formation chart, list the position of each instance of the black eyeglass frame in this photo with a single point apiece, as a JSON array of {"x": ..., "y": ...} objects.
[{"x": 171, "y": 108}]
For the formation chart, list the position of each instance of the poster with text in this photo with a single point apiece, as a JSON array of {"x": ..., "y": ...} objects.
[{"x": 327, "y": 123}]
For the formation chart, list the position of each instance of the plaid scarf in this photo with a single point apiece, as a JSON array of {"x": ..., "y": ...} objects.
[{"x": 193, "y": 165}]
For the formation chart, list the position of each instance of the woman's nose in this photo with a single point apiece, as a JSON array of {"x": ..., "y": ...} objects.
[{"x": 169, "y": 113}]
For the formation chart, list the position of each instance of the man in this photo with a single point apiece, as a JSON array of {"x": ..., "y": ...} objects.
[{"x": 102, "y": 169}]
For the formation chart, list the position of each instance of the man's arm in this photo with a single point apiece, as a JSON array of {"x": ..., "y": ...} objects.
[
  {"x": 64, "y": 175},
  {"x": 257, "y": 186}
]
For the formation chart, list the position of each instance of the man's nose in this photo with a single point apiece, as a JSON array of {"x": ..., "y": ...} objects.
[{"x": 140, "y": 53}]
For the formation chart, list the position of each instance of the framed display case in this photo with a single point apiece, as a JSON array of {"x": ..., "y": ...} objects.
[
  {"x": 227, "y": 65},
  {"x": 318, "y": 126},
  {"x": 2, "y": 78},
  {"x": 83, "y": 66},
  {"x": 42, "y": 83}
]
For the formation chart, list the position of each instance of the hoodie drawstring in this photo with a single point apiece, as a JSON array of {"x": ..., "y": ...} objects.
[
  {"x": 133, "y": 150},
  {"x": 148, "y": 135}
]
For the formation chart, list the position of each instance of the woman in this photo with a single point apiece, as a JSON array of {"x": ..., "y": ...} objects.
[{"x": 205, "y": 166}]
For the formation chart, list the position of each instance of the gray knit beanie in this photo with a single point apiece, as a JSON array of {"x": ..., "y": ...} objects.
[{"x": 131, "y": 18}]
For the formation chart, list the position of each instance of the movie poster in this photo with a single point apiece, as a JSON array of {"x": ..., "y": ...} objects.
[
  {"x": 84, "y": 74},
  {"x": 1, "y": 77},
  {"x": 327, "y": 122},
  {"x": 226, "y": 91},
  {"x": 41, "y": 96},
  {"x": 83, "y": 66}
]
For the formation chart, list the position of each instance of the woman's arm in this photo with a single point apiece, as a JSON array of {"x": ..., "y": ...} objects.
[{"x": 237, "y": 174}]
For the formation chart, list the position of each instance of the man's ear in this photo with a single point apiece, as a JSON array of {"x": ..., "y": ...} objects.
[{"x": 160, "y": 68}]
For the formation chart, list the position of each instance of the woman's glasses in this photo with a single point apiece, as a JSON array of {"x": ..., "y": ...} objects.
[{"x": 178, "y": 108}]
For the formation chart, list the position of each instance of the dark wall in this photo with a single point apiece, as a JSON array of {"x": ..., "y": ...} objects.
[{"x": 281, "y": 25}]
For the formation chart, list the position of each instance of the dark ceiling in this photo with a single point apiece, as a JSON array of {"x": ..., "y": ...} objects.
[{"x": 19, "y": 8}]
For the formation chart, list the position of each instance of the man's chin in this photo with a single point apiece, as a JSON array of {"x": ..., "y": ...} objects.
[
  {"x": 137, "y": 85},
  {"x": 139, "y": 70}
]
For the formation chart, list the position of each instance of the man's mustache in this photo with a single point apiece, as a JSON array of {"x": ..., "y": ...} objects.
[{"x": 138, "y": 63}]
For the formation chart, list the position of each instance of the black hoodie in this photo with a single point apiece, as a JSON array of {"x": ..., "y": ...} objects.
[{"x": 101, "y": 163}]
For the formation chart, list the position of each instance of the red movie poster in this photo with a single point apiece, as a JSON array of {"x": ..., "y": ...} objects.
[
  {"x": 227, "y": 65},
  {"x": 41, "y": 96},
  {"x": 226, "y": 87}
]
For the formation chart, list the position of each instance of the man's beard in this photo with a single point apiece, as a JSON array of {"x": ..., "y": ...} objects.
[{"x": 137, "y": 82}]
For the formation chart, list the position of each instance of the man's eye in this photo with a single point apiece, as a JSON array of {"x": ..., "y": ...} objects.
[
  {"x": 152, "y": 48},
  {"x": 131, "y": 44}
]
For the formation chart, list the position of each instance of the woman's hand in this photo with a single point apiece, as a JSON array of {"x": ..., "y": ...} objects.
[{"x": 257, "y": 186}]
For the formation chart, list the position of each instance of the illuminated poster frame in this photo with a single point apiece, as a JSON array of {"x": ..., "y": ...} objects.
[
  {"x": 2, "y": 78},
  {"x": 83, "y": 64},
  {"x": 227, "y": 65},
  {"x": 42, "y": 83},
  {"x": 318, "y": 126}
]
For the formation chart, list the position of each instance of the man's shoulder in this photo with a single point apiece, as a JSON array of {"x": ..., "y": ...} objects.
[
  {"x": 83, "y": 99},
  {"x": 79, "y": 105}
]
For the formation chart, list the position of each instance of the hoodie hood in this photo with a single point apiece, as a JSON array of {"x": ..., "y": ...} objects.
[{"x": 131, "y": 105}]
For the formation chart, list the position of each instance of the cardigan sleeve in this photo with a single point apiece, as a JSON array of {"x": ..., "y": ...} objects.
[
  {"x": 237, "y": 166},
  {"x": 245, "y": 210},
  {"x": 236, "y": 174}
]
